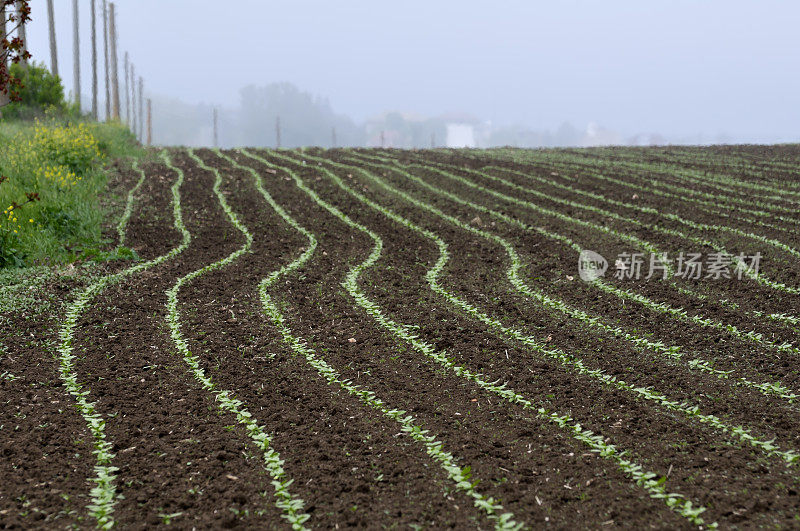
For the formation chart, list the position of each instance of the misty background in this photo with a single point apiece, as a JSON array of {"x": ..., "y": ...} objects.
[{"x": 455, "y": 73}]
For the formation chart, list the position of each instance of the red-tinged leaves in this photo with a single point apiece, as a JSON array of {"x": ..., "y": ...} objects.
[{"x": 17, "y": 13}]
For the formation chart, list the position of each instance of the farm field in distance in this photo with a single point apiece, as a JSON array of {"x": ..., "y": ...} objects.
[{"x": 381, "y": 338}]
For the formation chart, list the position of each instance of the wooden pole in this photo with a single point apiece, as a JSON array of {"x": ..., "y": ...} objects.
[
  {"x": 149, "y": 122},
  {"x": 94, "y": 60},
  {"x": 141, "y": 109},
  {"x": 23, "y": 36},
  {"x": 51, "y": 17},
  {"x": 134, "y": 120},
  {"x": 112, "y": 28},
  {"x": 106, "y": 43},
  {"x": 216, "y": 129},
  {"x": 278, "y": 132},
  {"x": 4, "y": 98},
  {"x": 76, "y": 54},
  {"x": 127, "y": 90}
]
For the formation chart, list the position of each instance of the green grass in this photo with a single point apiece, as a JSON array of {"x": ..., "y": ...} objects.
[{"x": 53, "y": 174}]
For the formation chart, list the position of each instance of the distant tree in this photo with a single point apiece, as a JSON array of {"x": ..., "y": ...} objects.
[
  {"x": 14, "y": 14},
  {"x": 305, "y": 120}
]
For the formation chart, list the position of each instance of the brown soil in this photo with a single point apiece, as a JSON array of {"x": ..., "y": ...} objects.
[{"x": 178, "y": 455}]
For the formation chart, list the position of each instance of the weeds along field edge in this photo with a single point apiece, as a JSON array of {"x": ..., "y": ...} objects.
[
  {"x": 459, "y": 475},
  {"x": 103, "y": 494},
  {"x": 672, "y": 353},
  {"x": 51, "y": 177},
  {"x": 401, "y": 332}
]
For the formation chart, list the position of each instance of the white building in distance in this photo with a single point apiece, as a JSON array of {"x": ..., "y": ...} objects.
[{"x": 460, "y": 136}]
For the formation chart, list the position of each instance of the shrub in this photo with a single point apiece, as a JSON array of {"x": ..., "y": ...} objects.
[{"x": 41, "y": 94}]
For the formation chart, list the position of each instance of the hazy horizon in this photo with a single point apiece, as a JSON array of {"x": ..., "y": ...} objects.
[{"x": 679, "y": 69}]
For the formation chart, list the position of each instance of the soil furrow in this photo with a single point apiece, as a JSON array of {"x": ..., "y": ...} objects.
[{"x": 720, "y": 465}]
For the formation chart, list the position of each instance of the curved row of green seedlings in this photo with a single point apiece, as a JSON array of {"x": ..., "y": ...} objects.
[
  {"x": 712, "y": 205},
  {"x": 777, "y": 317},
  {"x": 650, "y": 481},
  {"x": 648, "y": 210},
  {"x": 609, "y": 288},
  {"x": 644, "y": 172},
  {"x": 103, "y": 494},
  {"x": 671, "y": 164},
  {"x": 778, "y": 191},
  {"x": 671, "y": 352},
  {"x": 759, "y": 168},
  {"x": 292, "y": 507},
  {"x": 459, "y": 475},
  {"x": 568, "y": 361},
  {"x": 641, "y": 244},
  {"x": 659, "y": 307},
  {"x": 757, "y": 276},
  {"x": 126, "y": 215}
]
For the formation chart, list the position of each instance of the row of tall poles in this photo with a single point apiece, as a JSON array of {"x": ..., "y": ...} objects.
[{"x": 134, "y": 87}]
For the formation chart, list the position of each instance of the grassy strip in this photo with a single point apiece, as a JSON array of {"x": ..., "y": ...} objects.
[
  {"x": 103, "y": 494},
  {"x": 51, "y": 176},
  {"x": 671, "y": 352},
  {"x": 292, "y": 507},
  {"x": 650, "y": 481},
  {"x": 569, "y": 361},
  {"x": 659, "y": 307},
  {"x": 460, "y": 476}
]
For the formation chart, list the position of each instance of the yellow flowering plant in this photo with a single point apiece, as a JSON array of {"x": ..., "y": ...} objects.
[{"x": 60, "y": 164}]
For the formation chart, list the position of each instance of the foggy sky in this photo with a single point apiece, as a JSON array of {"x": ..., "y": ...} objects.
[{"x": 676, "y": 67}]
